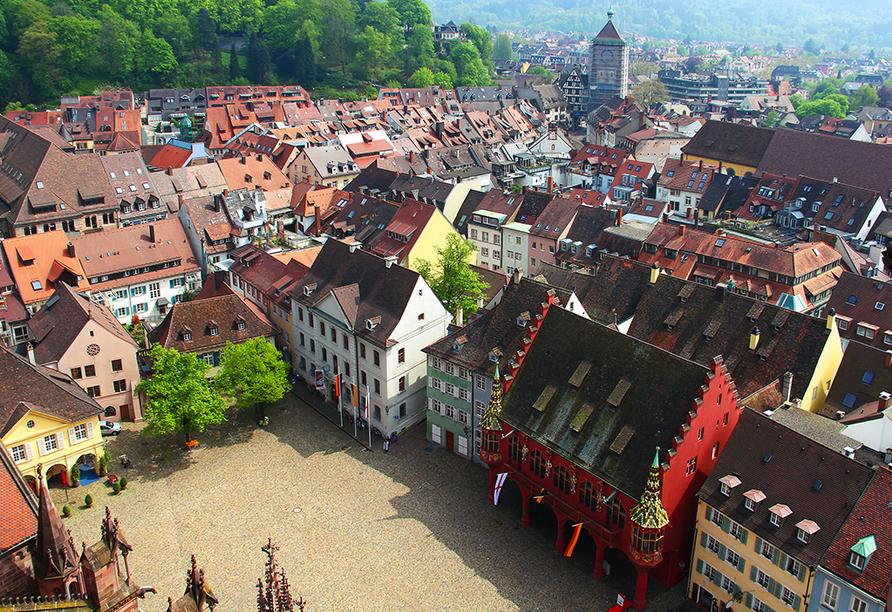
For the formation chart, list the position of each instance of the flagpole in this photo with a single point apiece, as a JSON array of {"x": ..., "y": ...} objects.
[
  {"x": 355, "y": 389},
  {"x": 338, "y": 391},
  {"x": 368, "y": 413}
]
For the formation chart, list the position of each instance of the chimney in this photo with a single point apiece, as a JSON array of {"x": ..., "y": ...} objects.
[
  {"x": 831, "y": 318},
  {"x": 411, "y": 157},
  {"x": 700, "y": 165},
  {"x": 550, "y": 184},
  {"x": 389, "y": 260},
  {"x": 260, "y": 157},
  {"x": 881, "y": 405},
  {"x": 460, "y": 316},
  {"x": 787, "y": 388},
  {"x": 619, "y": 217},
  {"x": 889, "y": 359},
  {"x": 71, "y": 250},
  {"x": 654, "y": 274},
  {"x": 720, "y": 293},
  {"x": 31, "y": 357},
  {"x": 754, "y": 338},
  {"x": 681, "y": 229},
  {"x": 242, "y": 160},
  {"x": 480, "y": 302},
  {"x": 720, "y": 167},
  {"x": 354, "y": 245},
  {"x": 152, "y": 232},
  {"x": 518, "y": 274},
  {"x": 169, "y": 171}
]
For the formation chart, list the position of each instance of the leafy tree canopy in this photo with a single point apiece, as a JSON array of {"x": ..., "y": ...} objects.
[
  {"x": 252, "y": 372},
  {"x": 451, "y": 277}
]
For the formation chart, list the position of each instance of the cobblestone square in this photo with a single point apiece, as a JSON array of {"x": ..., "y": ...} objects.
[{"x": 406, "y": 530}]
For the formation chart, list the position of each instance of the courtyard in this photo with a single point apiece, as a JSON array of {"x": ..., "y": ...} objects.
[{"x": 357, "y": 530}]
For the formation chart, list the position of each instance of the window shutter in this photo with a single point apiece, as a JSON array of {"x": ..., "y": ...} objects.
[
  {"x": 797, "y": 601},
  {"x": 708, "y": 513},
  {"x": 749, "y": 600},
  {"x": 775, "y": 555},
  {"x": 60, "y": 440},
  {"x": 726, "y": 524},
  {"x": 717, "y": 578},
  {"x": 216, "y": 358},
  {"x": 71, "y": 437},
  {"x": 782, "y": 561},
  {"x": 699, "y": 566},
  {"x": 89, "y": 429},
  {"x": 741, "y": 565},
  {"x": 723, "y": 551},
  {"x": 744, "y": 535},
  {"x": 758, "y": 545},
  {"x": 753, "y": 571},
  {"x": 703, "y": 538},
  {"x": 41, "y": 446},
  {"x": 774, "y": 587},
  {"x": 802, "y": 572},
  {"x": 28, "y": 452}
]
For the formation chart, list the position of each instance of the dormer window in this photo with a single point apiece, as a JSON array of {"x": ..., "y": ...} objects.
[
  {"x": 240, "y": 324},
  {"x": 753, "y": 498},
  {"x": 372, "y": 323},
  {"x": 187, "y": 335},
  {"x": 778, "y": 513},
  {"x": 729, "y": 483},
  {"x": 215, "y": 331},
  {"x": 309, "y": 288},
  {"x": 805, "y": 530},
  {"x": 861, "y": 552},
  {"x": 494, "y": 355},
  {"x": 856, "y": 561}
]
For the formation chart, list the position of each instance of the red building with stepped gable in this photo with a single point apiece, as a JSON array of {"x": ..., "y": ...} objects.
[{"x": 585, "y": 407}]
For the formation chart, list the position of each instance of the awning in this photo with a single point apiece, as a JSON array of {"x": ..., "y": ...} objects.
[{"x": 163, "y": 302}]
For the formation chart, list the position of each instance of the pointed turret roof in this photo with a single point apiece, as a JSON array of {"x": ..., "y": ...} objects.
[
  {"x": 650, "y": 513},
  {"x": 55, "y": 554},
  {"x": 609, "y": 31},
  {"x": 490, "y": 418}
]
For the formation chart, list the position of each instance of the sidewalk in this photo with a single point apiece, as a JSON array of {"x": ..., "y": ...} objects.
[{"x": 315, "y": 401}]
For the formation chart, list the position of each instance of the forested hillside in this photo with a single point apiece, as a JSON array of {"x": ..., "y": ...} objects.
[
  {"x": 864, "y": 25},
  {"x": 75, "y": 46}
]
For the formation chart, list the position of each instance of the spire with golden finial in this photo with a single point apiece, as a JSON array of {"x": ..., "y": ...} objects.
[
  {"x": 490, "y": 418},
  {"x": 650, "y": 513}
]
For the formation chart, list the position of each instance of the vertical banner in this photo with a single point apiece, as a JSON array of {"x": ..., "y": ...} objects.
[
  {"x": 500, "y": 481},
  {"x": 577, "y": 529},
  {"x": 320, "y": 380}
]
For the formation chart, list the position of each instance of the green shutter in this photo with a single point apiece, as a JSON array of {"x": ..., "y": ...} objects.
[
  {"x": 802, "y": 572},
  {"x": 717, "y": 578},
  {"x": 703, "y": 538},
  {"x": 741, "y": 565},
  {"x": 776, "y": 588},
  {"x": 774, "y": 556},
  {"x": 699, "y": 566},
  {"x": 797, "y": 601},
  {"x": 708, "y": 513},
  {"x": 749, "y": 600},
  {"x": 726, "y": 524},
  {"x": 744, "y": 535},
  {"x": 723, "y": 551},
  {"x": 753, "y": 571},
  {"x": 758, "y": 545},
  {"x": 782, "y": 561}
]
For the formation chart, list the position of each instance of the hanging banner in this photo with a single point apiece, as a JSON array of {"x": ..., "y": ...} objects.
[{"x": 320, "y": 380}]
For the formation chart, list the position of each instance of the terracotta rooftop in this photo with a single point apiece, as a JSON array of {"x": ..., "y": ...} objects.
[
  {"x": 40, "y": 262},
  {"x": 19, "y": 506}
]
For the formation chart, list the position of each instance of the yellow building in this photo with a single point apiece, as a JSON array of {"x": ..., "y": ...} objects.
[
  {"x": 46, "y": 418},
  {"x": 766, "y": 515},
  {"x": 731, "y": 146},
  {"x": 825, "y": 369}
]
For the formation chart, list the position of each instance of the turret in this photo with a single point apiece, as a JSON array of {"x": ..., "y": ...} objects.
[
  {"x": 649, "y": 520},
  {"x": 491, "y": 425},
  {"x": 56, "y": 565}
]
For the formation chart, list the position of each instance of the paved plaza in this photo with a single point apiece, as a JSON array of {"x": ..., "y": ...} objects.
[{"x": 406, "y": 530}]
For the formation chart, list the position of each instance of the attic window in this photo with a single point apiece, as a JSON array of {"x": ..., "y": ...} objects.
[
  {"x": 372, "y": 323},
  {"x": 240, "y": 324},
  {"x": 309, "y": 288},
  {"x": 753, "y": 498},
  {"x": 853, "y": 299},
  {"x": 36, "y": 285},
  {"x": 579, "y": 375},
  {"x": 215, "y": 331},
  {"x": 187, "y": 336},
  {"x": 523, "y": 319},
  {"x": 720, "y": 242},
  {"x": 729, "y": 483},
  {"x": 494, "y": 355},
  {"x": 879, "y": 305},
  {"x": 778, "y": 513}
]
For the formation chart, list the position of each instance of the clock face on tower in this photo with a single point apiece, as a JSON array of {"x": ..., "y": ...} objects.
[{"x": 606, "y": 55}]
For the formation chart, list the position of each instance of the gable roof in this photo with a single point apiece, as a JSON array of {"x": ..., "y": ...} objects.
[
  {"x": 786, "y": 467},
  {"x": 861, "y": 164},
  {"x": 199, "y": 317},
  {"x": 40, "y": 262},
  {"x": 732, "y": 143},
  {"x": 61, "y": 320},
  {"x": 384, "y": 290},
  {"x": 862, "y": 300},
  {"x": 661, "y": 391},
  {"x": 19, "y": 506},
  {"x": 871, "y": 516},
  {"x": 24, "y": 387},
  {"x": 698, "y": 322}
]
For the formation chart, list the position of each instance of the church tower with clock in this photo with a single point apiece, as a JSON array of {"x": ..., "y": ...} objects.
[{"x": 608, "y": 73}]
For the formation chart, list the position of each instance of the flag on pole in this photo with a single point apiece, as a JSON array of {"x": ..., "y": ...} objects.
[
  {"x": 337, "y": 385},
  {"x": 368, "y": 403},
  {"x": 355, "y": 397},
  {"x": 576, "y": 531},
  {"x": 500, "y": 480},
  {"x": 540, "y": 497}
]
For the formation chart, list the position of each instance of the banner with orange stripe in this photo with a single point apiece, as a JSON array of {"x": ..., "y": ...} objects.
[{"x": 568, "y": 552}]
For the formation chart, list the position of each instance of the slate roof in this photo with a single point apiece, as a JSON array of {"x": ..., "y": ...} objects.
[
  {"x": 688, "y": 319},
  {"x": 199, "y": 317},
  {"x": 383, "y": 291},
  {"x": 861, "y": 164},
  {"x": 19, "y": 506},
  {"x": 661, "y": 391},
  {"x": 726, "y": 193},
  {"x": 820, "y": 429},
  {"x": 24, "y": 386},
  {"x": 871, "y": 516},
  {"x": 731, "y": 143},
  {"x": 609, "y": 32},
  {"x": 60, "y": 321},
  {"x": 610, "y": 294},
  {"x": 786, "y": 466},
  {"x": 860, "y": 299},
  {"x": 497, "y": 328},
  {"x": 855, "y": 392}
]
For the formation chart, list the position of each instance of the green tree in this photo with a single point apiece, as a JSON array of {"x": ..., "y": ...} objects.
[
  {"x": 443, "y": 80},
  {"x": 770, "y": 120},
  {"x": 304, "y": 63},
  {"x": 234, "y": 68},
  {"x": 206, "y": 29},
  {"x": 542, "y": 71},
  {"x": 373, "y": 49},
  {"x": 796, "y": 100},
  {"x": 645, "y": 68},
  {"x": 419, "y": 50},
  {"x": 412, "y": 12},
  {"x": 174, "y": 28},
  {"x": 337, "y": 28},
  {"x": 479, "y": 38},
  {"x": 384, "y": 18},
  {"x": 825, "y": 88},
  {"x": 501, "y": 50},
  {"x": 863, "y": 96},
  {"x": 117, "y": 45},
  {"x": 779, "y": 47},
  {"x": 451, "y": 277},
  {"x": 469, "y": 67},
  {"x": 423, "y": 77},
  {"x": 650, "y": 92},
  {"x": 179, "y": 394},
  {"x": 216, "y": 57},
  {"x": 77, "y": 38},
  {"x": 841, "y": 100},
  {"x": 258, "y": 64},
  {"x": 827, "y": 107},
  {"x": 156, "y": 62},
  {"x": 39, "y": 48},
  {"x": 252, "y": 373}
]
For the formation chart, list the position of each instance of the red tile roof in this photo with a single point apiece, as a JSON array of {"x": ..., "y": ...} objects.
[{"x": 19, "y": 507}]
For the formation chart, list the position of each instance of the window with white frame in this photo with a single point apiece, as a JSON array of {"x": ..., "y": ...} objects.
[
  {"x": 51, "y": 443},
  {"x": 732, "y": 558},
  {"x": 435, "y": 363},
  {"x": 450, "y": 411},
  {"x": 767, "y": 550},
  {"x": 709, "y": 571},
  {"x": 20, "y": 453},
  {"x": 463, "y": 446},
  {"x": 435, "y": 434},
  {"x": 736, "y": 530},
  {"x": 713, "y": 545},
  {"x": 763, "y": 579},
  {"x": 858, "y": 605},
  {"x": 728, "y": 584},
  {"x": 78, "y": 433},
  {"x": 481, "y": 382},
  {"x": 449, "y": 368},
  {"x": 830, "y": 596},
  {"x": 717, "y": 518},
  {"x": 480, "y": 408},
  {"x": 434, "y": 405},
  {"x": 758, "y": 605},
  {"x": 464, "y": 417},
  {"x": 464, "y": 395},
  {"x": 449, "y": 389},
  {"x": 789, "y": 597},
  {"x": 208, "y": 358},
  {"x": 793, "y": 566},
  {"x": 154, "y": 290},
  {"x": 435, "y": 383},
  {"x": 463, "y": 373}
]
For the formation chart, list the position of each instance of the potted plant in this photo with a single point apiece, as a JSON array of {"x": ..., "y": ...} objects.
[
  {"x": 75, "y": 475},
  {"x": 123, "y": 483},
  {"x": 104, "y": 460},
  {"x": 116, "y": 487},
  {"x": 66, "y": 511},
  {"x": 88, "y": 501}
]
